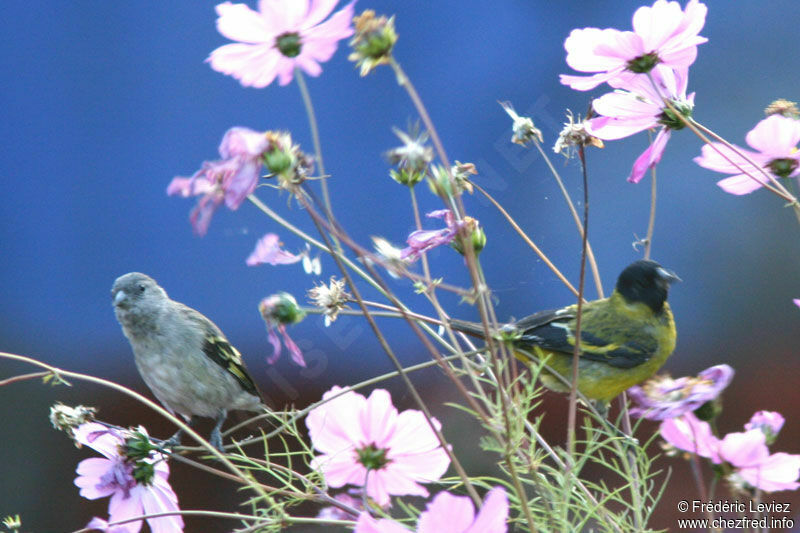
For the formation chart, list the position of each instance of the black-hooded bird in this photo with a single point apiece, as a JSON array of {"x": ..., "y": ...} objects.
[
  {"x": 625, "y": 338},
  {"x": 182, "y": 356}
]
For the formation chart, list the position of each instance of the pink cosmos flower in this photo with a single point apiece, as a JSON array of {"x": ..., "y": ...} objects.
[
  {"x": 747, "y": 451},
  {"x": 281, "y": 36},
  {"x": 690, "y": 434},
  {"x": 769, "y": 422},
  {"x": 662, "y": 35},
  {"x": 365, "y": 442},
  {"x": 775, "y": 140},
  {"x": 268, "y": 251},
  {"x": 663, "y": 397},
  {"x": 279, "y": 310},
  {"x": 228, "y": 180},
  {"x": 423, "y": 240},
  {"x": 641, "y": 107},
  {"x": 449, "y": 514},
  {"x": 136, "y": 487},
  {"x": 796, "y": 302}
]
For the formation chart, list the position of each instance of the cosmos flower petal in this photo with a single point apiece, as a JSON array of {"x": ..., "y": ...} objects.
[
  {"x": 650, "y": 157},
  {"x": 728, "y": 159},
  {"x": 691, "y": 435},
  {"x": 159, "y": 501},
  {"x": 256, "y": 60},
  {"x": 379, "y": 417},
  {"x": 447, "y": 513},
  {"x": 776, "y": 136},
  {"x": 742, "y": 183},
  {"x": 367, "y": 524},
  {"x": 779, "y": 471},
  {"x": 122, "y": 507},
  {"x": 268, "y": 251},
  {"x": 238, "y": 22},
  {"x": 351, "y": 429},
  {"x": 493, "y": 515},
  {"x": 331, "y": 424},
  {"x": 254, "y": 65}
]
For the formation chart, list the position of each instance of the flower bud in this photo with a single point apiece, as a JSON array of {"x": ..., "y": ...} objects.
[
  {"x": 281, "y": 308},
  {"x": 476, "y": 237},
  {"x": 373, "y": 41},
  {"x": 783, "y": 107}
]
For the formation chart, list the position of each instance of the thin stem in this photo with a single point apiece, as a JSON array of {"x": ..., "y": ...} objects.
[
  {"x": 576, "y": 354},
  {"x": 312, "y": 123},
  {"x": 527, "y": 240},
  {"x": 396, "y": 362},
  {"x": 24, "y": 377},
  {"x": 648, "y": 240},
  {"x": 418, "y": 221},
  {"x": 574, "y": 212},
  {"x": 482, "y": 291},
  {"x": 152, "y": 405}
]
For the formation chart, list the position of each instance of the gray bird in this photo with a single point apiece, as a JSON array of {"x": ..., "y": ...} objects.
[{"x": 182, "y": 356}]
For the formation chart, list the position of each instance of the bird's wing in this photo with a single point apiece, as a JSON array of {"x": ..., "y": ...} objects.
[
  {"x": 219, "y": 350},
  {"x": 609, "y": 343}
]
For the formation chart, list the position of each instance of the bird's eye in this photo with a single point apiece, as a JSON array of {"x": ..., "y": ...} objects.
[{"x": 141, "y": 287}]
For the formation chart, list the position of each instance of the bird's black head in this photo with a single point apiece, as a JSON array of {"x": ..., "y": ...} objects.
[
  {"x": 134, "y": 290},
  {"x": 647, "y": 282}
]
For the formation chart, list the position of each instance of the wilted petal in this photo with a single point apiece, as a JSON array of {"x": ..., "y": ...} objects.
[
  {"x": 268, "y": 251},
  {"x": 650, "y": 157}
]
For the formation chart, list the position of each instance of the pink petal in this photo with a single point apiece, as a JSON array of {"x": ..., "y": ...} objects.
[
  {"x": 240, "y": 141},
  {"x": 333, "y": 426},
  {"x": 102, "y": 525},
  {"x": 580, "y": 46},
  {"x": 327, "y": 34},
  {"x": 378, "y": 490},
  {"x": 657, "y": 23},
  {"x": 285, "y": 68},
  {"x": 744, "y": 449},
  {"x": 378, "y": 419},
  {"x": 689, "y": 434},
  {"x": 447, "y": 514},
  {"x": 293, "y": 12},
  {"x": 275, "y": 341},
  {"x": 294, "y": 351},
  {"x": 122, "y": 508},
  {"x": 155, "y": 500},
  {"x": 776, "y": 136},
  {"x": 238, "y": 22},
  {"x": 254, "y": 65},
  {"x": 721, "y": 158},
  {"x": 241, "y": 183},
  {"x": 367, "y": 524},
  {"x": 99, "y": 438},
  {"x": 268, "y": 251},
  {"x": 340, "y": 469},
  {"x": 742, "y": 183},
  {"x": 318, "y": 11},
  {"x": 650, "y": 157},
  {"x": 779, "y": 471},
  {"x": 493, "y": 515},
  {"x": 89, "y": 473}
]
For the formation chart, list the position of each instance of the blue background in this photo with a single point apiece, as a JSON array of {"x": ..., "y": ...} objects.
[{"x": 104, "y": 102}]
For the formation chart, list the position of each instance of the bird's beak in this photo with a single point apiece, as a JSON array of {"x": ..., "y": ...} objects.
[
  {"x": 119, "y": 297},
  {"x": 668, "y": 275}
]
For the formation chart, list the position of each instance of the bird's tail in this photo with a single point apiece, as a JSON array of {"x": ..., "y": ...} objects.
[{"x": 473, "y": 329}]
